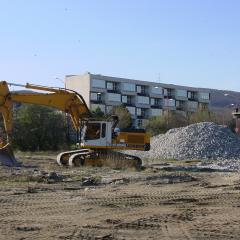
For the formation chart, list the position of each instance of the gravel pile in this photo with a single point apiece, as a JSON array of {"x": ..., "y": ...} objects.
[{"x": 206, "y": 140}]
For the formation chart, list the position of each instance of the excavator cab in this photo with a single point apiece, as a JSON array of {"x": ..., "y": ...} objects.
[
  {"x": 104, "y": 134},
  {"x": 96, "y": 134}
]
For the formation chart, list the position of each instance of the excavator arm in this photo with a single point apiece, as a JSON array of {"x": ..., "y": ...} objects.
[{"x": 62, "y": 99}]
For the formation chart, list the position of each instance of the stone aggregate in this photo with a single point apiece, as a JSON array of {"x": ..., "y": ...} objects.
[{"x": 206, "y": 141}]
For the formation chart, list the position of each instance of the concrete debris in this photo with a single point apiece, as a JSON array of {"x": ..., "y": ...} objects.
[
  {"x": 90, "y": 181},
  {"x": 49, "y": 177},
  {"x": 205, "y": 141}
]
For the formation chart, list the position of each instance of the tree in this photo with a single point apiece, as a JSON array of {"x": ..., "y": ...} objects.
[
  {"x": 161, "y": 124},
  {"x": 203, "y": 116},
  {"x": 123, "y": 114},
  {"x": 97, "y": 113},
  {"x": 39, "y": 128},
  {"x": 156, "y": 125}
]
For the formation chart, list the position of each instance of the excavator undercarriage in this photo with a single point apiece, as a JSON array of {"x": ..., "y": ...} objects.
[{"x": 99, "y": 158}]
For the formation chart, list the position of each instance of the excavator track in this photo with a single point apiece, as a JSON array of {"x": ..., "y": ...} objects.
[
  {"x": 99, "y": 158},
  {"x": 63, "y": 157}
]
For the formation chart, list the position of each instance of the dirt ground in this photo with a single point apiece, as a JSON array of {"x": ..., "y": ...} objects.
[{"x": 44, "y": 201}]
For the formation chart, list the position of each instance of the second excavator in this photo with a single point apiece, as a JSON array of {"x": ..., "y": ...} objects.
[{"x": 98, "y": 139}]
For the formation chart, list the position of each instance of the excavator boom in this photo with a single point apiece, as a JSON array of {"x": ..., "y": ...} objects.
[{"x": 62, "y": 99}]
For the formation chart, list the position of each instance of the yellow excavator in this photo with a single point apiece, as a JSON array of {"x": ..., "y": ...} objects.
[{"x": 97, "y": 138}]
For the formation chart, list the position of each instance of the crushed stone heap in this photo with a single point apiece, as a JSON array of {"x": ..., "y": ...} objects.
[{"x": 204, "y": 140}]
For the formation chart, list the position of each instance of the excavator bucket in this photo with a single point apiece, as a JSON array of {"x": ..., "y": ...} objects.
[{"x": 7, "y": 157}]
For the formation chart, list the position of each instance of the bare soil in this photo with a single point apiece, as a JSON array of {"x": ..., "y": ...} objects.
[{"x": 43, "y": 201}]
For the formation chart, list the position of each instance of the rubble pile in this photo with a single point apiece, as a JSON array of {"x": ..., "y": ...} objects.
[{"x": 205, "y": 141}]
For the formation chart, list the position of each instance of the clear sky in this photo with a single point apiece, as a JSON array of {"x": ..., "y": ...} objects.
[{"x": 185, "y": 42}]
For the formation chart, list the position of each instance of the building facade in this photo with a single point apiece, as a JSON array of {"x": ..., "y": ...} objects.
[{"x": 143, "y": 99}]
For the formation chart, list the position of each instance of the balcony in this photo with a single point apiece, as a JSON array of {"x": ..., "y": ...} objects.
[
  {"x": 113, "y": 91},
  {"x": 181, "y": 108},
  {"x": 143, "y": 94},
  {"x": 97, "y": 101},
  {"x": 128, "y": 104},
  {"x": 169, "y": 96},
  {"x": 156, "y": 105}
]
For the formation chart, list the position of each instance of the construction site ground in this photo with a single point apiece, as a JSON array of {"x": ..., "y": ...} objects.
[{"x": 41, "y": 200}]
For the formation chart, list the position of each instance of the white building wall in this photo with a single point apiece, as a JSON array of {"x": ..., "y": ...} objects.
[{"x": 80, "y": 84}]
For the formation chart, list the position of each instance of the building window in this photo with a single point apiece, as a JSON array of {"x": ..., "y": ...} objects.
[
  {"x": 180, "y": 105},
  {"x": 139, "y": 123},
  {"x": 96, "y": 96},
  {"x": 181, "y": 93},
  {"x": 156, "y": 112},
  {"x": 157, "y": 90},
  {"x": 129, "y": 87},
  {"x": 98, "y": 83},
  {"x": 204, "y": 96},
  {"x": 141, "y": 89},
  {"x": 168, "y": 92},
  {"x": 155, "y": 102},
  {"x": 143, "y": 100},
  {"x": 126, "y": 99},
  {"x": 140, "y": 112},
  {"x": 112, "y": 86},
  {"x": 114, "y": 97},
  {"x": 169, "y": 102},
  {"x": 191, "y": 95}
]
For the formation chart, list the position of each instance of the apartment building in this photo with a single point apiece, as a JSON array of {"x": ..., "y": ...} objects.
[{"x": 143, "y": 99}]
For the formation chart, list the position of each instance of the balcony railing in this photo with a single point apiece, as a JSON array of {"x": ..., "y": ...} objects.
[
  {"x": 97, "y": 101},
  {"x": 113, "y": 91},
  {"x": 156, "y": 105}
]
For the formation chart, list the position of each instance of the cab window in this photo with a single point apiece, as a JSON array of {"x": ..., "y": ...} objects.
[
  {"x": 103, "y": 130},
  {"x": 93, "y": 131}
]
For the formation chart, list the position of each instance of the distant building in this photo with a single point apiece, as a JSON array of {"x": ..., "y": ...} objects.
[{"x": 143, "y": 99}]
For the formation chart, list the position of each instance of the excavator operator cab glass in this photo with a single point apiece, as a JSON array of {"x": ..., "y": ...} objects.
[
  {"x": 93, "y": 131},
  {"x": 103, "y": 130}
]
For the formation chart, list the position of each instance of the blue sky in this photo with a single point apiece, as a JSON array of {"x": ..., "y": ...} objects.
[{"x": 185, "y": 42}]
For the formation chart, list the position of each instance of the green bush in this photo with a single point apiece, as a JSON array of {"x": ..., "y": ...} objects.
[
  {"x": 38, "y": 128},
  {"x": 203, "y": 116},
  {"x": 124, "y": 116},
  {"x": 161, "y": 124}
]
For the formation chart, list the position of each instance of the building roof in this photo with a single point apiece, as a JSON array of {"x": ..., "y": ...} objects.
[{"x": 143, "y": 82}]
